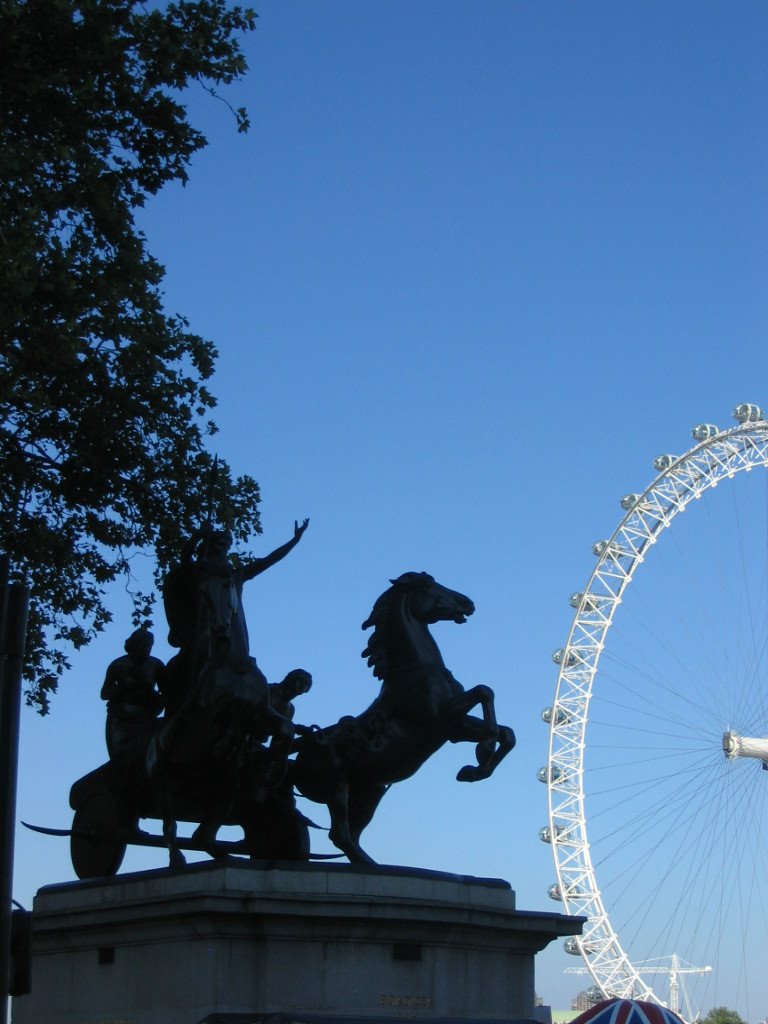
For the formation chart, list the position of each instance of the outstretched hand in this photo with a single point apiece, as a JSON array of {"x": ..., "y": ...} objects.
[{"x": 299, "y": 530}]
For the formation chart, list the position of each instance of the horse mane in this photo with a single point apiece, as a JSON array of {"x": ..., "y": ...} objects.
[{"x": 377, "y": 649}]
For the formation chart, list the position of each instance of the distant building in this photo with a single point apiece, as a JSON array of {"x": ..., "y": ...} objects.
[{"x": 585, "y": 999}]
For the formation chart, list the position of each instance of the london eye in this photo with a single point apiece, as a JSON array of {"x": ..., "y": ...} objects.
[{"x": 656, "y": 772}]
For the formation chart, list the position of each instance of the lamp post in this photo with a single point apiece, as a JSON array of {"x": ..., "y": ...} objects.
[{"x": 14, "y": 605}]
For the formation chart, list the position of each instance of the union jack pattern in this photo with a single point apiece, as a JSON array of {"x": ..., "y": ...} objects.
[{"x": 627, "y": 1011}]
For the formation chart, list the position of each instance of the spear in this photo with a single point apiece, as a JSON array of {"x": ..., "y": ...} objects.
[
  {"x": 209, "y": 500},
  {"x": 212, "y": 491}
]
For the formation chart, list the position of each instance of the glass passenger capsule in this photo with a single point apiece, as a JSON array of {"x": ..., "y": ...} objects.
[
  {"x": 746, "y": 412},
  {"x": 555, "y": 893},
  {"x": 550, "y": 774},
  {"x": 608, "y": 549},
  {"x": 584, "y": 602},
  {"x": 561, "y": 716},
  {"x": 630, "y": 501},
  {"x": 545, "y": 833},
  {"x": 561, "y": 658},
  {"x": 704, "y": 431},
  {"x": 662, "y": 462},
  {"x": 576, "y": 948}
]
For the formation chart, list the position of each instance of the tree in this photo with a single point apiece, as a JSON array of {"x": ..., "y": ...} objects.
[
  {"x": 722, "y": 1015},
  {"x": 104, "y": 409}
]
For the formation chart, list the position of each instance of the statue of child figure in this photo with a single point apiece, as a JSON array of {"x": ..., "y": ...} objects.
[{"x": 133, "y": 692}]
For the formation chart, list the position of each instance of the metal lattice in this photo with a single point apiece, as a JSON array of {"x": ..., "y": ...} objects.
[{"x": 717, "y": 455}]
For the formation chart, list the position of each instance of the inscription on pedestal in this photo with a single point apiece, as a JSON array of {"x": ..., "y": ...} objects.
[{"x": 408, "y": 1002}]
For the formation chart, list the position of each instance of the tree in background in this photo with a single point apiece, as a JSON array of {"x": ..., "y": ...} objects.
[
  {"x": 104, "y": 411},
  {"x": 722, "y": 1015}
]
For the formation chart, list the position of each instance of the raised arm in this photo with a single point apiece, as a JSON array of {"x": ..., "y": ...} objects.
[{"x": 258, "y": 565}]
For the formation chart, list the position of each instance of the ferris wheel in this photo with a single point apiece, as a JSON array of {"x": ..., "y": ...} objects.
[{"x": 656, "y": 775}]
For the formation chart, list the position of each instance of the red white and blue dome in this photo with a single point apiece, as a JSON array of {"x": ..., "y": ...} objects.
[{"x": 627, "y": 1011}]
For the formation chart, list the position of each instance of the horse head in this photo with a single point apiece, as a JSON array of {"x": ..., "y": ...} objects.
[
  {"x": 430, "y": 602},
  {"x": 400, "y": 618}
]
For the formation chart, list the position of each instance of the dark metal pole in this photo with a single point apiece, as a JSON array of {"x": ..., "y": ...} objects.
[{"x": 14, "y": 605}]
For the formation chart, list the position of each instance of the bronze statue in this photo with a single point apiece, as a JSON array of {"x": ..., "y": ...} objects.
[
  {"x": 283, "y": 694},
  {"x": 350, "y": 766},
  {"x": 205, "y": 562},
  {"x": 133, "y": 690},
  {"x": 219, "y": 754},
  {"x": 224, "y": 751},
  {"x": 219, "y": 698}
]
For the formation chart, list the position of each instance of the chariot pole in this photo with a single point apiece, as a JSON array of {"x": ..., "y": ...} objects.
[{"x": 14, "y": 605}]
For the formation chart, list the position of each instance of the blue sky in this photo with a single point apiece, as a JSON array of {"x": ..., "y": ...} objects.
[{"x": 473, "y": 267}]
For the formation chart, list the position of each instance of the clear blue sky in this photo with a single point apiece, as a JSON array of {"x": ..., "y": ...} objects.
[{"x": 473, "y": 267}]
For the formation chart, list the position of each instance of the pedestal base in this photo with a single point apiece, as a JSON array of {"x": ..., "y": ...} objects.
[{"x": 239, "y": 941}]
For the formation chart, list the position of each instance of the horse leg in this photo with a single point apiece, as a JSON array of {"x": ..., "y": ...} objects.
[
  {"x": 206, "y": 832},
  {"x": 362, "y": 804},
  {"x": 176, "y": 858},
  {"x": 340, "y": 833},
  {"x": 489, "y": 751},
  {"x": 215, "y": 799},
  {"x": 493, "y": 741}
]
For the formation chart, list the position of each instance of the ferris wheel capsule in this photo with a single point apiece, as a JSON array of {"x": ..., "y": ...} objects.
[
  {"x": 609, "y": 549},
  {"x": 560, "y": 715},
  {"x": 551, "y": 774},
  {"x": 561, "y": 658},
  {"x": 577, "y": 948},
  {"x": 586, "y": 602},
  {"x": 546, "y": 833},
  {"x": 556, "y": 893},
  {"x": 746, "y": 412},
  {"x": 704, "y": 432},
  {"x": 662, "y": 462},
  {"x": 630, "y": 501}
]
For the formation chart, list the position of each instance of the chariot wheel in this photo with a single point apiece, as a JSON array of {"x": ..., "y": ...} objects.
[
  {"x": 657, "y": 793},
  {"x": 98, "y": 841}
]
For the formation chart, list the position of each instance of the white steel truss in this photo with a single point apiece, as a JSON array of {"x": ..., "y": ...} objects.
[{"x": 719, "y": 454}]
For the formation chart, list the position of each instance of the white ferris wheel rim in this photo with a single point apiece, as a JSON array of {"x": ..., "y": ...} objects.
[{"x": 720, "y": 455}]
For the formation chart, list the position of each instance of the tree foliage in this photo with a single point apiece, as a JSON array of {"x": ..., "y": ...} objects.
[
  {"x": 722, "y": 1015},
  {"x": 104, "y": 408}
]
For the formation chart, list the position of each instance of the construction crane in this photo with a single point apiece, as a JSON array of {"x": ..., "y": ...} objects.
[{"x": 677, "y": 967}]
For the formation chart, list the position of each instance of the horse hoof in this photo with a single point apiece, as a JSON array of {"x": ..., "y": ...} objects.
[
  {"x": 358, "y": 856},
  {"x": 471, "y": 773}
]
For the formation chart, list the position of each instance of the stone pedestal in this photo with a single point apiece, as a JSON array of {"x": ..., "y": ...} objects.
[{"x": 239, "y": 942}]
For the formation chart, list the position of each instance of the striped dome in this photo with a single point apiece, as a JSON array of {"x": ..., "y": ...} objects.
[{"x": 627, "y": 1011}]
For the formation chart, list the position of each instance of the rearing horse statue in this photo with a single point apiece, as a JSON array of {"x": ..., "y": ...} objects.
[{"x": 349, "y": 766}]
